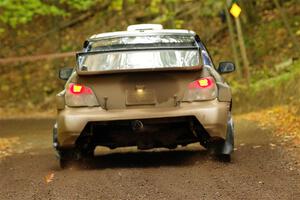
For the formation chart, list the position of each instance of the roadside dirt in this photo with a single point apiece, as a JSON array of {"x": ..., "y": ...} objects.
[{"x": 263, "y": 167}]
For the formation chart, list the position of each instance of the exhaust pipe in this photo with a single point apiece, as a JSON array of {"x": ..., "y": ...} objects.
[{"x": 137, "y": 125}]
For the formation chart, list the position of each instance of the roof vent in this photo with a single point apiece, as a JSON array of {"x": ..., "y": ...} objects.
[{"x": 144, "y": 27}]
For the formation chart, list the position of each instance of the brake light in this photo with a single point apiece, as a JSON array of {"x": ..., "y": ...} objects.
[
  {"x": 207, "y": 82},
  {"x": 78, "y": 95},
  {"x": 79, "y": 89}
]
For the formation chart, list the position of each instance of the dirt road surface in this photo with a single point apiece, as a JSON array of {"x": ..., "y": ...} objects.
[{"x": 263, "y": 167}]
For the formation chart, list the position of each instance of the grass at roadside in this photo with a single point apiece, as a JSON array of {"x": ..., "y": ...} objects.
[
  {"x": 281, "y": 89},
  {"x": 283, "y": 119}
]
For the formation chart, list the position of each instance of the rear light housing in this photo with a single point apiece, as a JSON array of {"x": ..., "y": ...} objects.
[
  {"x": 78, "y": 95},
  {"x": 201, "y": 89},
  {"x": 79, "y": 89},
  {"x": 203, "y": 83}
]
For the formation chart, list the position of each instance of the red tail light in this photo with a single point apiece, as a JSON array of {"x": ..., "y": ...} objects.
[
  {"x": 79, "y": 89},
  {"x": 207, "y": 82}
]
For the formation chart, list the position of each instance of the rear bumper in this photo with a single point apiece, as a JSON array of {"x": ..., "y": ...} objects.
[{"x": 213, "y": 116}]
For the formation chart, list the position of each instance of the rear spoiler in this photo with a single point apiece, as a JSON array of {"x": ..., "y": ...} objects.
[{"x": 190, "y": 68}]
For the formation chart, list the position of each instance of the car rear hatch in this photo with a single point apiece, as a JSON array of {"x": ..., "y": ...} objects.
[
  {"x": 143, "y": 71},
  {"x": 140, "y": 89}
]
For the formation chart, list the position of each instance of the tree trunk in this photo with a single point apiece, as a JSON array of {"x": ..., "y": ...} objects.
[
  {"x": 287, "y": 26},
  {"x": 233, "y": 43},
  {"x": 246, "y": 74},
  {"x": 250, "y": 10}
]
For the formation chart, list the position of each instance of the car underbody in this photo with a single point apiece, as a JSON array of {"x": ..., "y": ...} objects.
[{"x": 145, "y": 133}]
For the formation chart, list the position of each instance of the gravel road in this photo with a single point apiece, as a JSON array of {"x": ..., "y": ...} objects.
[{"x": 263, "y": 167}]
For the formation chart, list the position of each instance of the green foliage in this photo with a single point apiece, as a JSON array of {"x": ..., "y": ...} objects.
[
  {"x": 14, "y": 12},
  {"x": 79, "y": 4},
  {"x": 116, "y": 5},
  {"x": 212, "y": 7},
  {"x": 154, "y": 6},
  {"x": 281, "y": 88}
]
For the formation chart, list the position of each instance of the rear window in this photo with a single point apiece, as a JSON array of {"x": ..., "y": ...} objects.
[{"x": 141, "y": 52}]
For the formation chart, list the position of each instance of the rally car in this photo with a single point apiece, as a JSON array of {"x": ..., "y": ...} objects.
[{"x": 147, "y": 87}]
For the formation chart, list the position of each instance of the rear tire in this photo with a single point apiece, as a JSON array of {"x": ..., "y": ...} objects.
[
  {"x": 63, "y": 163},
  {"x": 68, "y": 156},
  {"x": 224, "y": 158}
]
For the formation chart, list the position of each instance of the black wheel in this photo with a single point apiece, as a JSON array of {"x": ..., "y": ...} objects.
[
  {"x": 87, "y": 154},
  {"x": 67, "y": 156},
  {"x": 63, "y": 163},
  {"x": 88, "y": 151},
  {"x": 74, "y": 155},
  {"x": 224, "y": 157}
]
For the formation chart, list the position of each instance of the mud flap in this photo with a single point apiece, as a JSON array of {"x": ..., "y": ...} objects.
[{"x": 229, "y": 142}]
